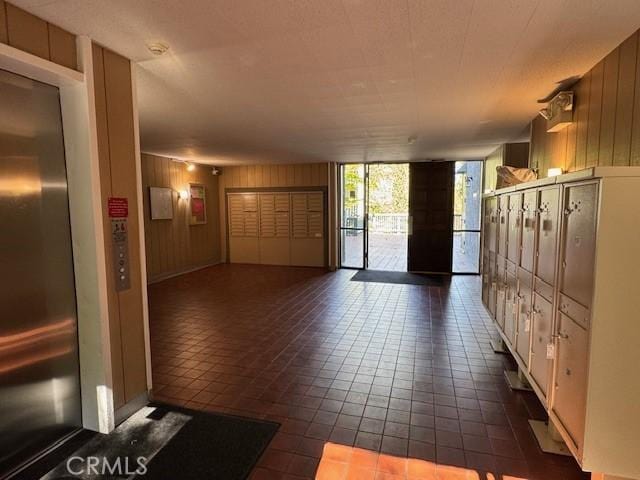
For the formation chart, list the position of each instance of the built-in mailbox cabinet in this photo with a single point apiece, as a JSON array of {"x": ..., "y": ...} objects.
[
  {"x": 277, "y": 228},
  {"x": 564, "y": 255}
]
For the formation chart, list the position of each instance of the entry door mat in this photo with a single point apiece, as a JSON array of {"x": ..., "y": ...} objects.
[
  {"x": 176, "y": 443},
  {"x": 407, "y": 278}
]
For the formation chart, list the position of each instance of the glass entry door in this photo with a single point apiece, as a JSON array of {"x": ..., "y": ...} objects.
[
  {"x": 374, "y": 216},
  {"x": 466, "y": 216},
  {"x": 353, "y": 227}
]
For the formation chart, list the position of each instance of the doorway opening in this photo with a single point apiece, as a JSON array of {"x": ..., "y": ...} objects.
[
  {"x": 375, "y": 212},
  {"x": 466, "y": 216}
]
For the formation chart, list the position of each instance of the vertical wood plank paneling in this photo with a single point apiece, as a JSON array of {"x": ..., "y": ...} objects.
[
  {"x": 315, "y": 173},
  {"x": 282, "y": 175},
  {"x": 291, "y": 175},
  {"x": 266, "y": 176},
  {"x": 157, "y": 243},
  {"x": 27, "y": 32},
  {"x": 570, "y": 152},
  {"x": 172, "y": 251},
  {"x": 3, "y": 22},
  {"x": 606, "y": 120},
  {"x": 105, "y": 191},
  {"x": 595, "y": 115},
  {"x": 546, "y": 148},
  {"x": 62, "y": 47},
  {"x": 258, "y": 177},
  {"x": 625, "y": 100},
  {"x": 559, "y": 150},
  {"x": 150, "y": 241},
  {"x": 122, "y": 155},
  {"x": 635, "y": 126},
  {"x": 533, "y": 144},
  {"x": 183, "y": 246},
  {"x": 581, "y": 116},
  {"x": 609, "y": 103},
  {"x": 251, "y": 175},
  {"x": 307, "y": 176},
  {"x": 298, "y": 175},
  {"x": 274, "y": 175}
]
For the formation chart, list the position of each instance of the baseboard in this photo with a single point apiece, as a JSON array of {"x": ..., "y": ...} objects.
[
  {"x": 166, "y": 276},
  {"x": 131, "y": 407}
]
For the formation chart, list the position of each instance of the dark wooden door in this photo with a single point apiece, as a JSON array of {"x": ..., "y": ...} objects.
[{"x": 431, "y": 217}]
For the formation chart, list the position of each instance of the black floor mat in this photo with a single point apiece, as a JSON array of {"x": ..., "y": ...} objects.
[
  {"x": 173, "y": 443},
  {"x": 379, "y": 276},
  {"x": 212, "y": 447}
]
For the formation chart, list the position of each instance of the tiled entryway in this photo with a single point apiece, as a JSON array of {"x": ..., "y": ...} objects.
[{"x": 401, "y": 371}]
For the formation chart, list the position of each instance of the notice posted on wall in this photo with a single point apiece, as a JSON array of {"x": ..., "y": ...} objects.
[{"x": 198, "y": 204}]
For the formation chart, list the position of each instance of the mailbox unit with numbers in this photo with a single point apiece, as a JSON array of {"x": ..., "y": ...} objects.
[{"x": 561, "y": 278}]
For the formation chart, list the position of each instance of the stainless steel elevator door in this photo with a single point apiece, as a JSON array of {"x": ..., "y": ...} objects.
[{"x": 39, "y": 368}]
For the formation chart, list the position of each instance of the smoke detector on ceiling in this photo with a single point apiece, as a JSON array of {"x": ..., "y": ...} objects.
[{"x": 158, "y": 48}]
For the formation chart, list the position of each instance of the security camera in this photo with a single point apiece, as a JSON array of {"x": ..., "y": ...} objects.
[{"x": 215, "y": 171}]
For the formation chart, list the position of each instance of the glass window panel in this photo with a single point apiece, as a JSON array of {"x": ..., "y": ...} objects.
[
  {"x": 352, "y": 248},
  {"x": 468, "y": 196},
  {"x": 353, "y": 195},
  {"x": 466, "y": 252}
]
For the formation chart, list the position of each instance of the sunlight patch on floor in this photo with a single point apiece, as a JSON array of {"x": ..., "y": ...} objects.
[{"x": 340, "y": 462}]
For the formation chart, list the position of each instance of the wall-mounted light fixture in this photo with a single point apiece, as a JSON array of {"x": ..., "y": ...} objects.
[
  {"x": 183, "y": 195},
  {"x": 559, "y": 111},
  {"x": 554, "y": 172},
  {"x": 190, "y": 166}
]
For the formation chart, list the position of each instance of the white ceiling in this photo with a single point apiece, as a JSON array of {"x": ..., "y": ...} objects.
[{"x": 348, "y": 80}]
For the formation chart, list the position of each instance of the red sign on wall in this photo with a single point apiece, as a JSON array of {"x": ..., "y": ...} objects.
[{"x": 118, "y": 207}]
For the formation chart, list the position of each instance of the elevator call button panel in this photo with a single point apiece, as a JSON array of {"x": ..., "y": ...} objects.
[{"x": 118, "y": 213}]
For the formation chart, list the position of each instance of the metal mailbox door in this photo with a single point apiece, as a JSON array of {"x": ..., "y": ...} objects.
[
  {"x": 541, "y": 348},
  {"x": 486, "y": 220},
  {"x": 493, "y": 223},
  {"x": 485, "y": 279},
  {"x": 501, "y": 292},
  {"x": 503, "y": 226},
  {"x": 547, "y": 234},
  {"x": 580, "y": 210},
  {"x": 514, "y": 220},
  {"x": 511, "y": 309},
  {"x": 569, "y": 401},
  {"x": 491, "y": 304},
  {"x": 528, "y": 230},
  {"x": 523, "y": 334}
]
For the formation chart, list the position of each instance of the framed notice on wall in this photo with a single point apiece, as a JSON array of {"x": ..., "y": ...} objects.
[
  {"x": 161, "y": 203},
  {"x": 198, "y": 205}
]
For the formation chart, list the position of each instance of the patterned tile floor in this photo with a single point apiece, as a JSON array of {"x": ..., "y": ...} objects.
[{"x": 362, "y": 376}]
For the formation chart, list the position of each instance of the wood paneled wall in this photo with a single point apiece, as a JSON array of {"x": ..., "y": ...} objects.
[
  {"x": 606, "y": 118},
  {"x": 262, "y": 176},
  {"x": 174, "y": 246},
  {"x": 27, "y": 32},
  {"x": 510, "y": 154},
  {"x": 117, "y": 155}
]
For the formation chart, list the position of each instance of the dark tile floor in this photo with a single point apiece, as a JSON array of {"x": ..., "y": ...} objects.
[{"x": 394, "y": 371}]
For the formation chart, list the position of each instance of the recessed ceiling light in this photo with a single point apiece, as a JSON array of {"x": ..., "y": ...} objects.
[{"x": 158, "y": 48}]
